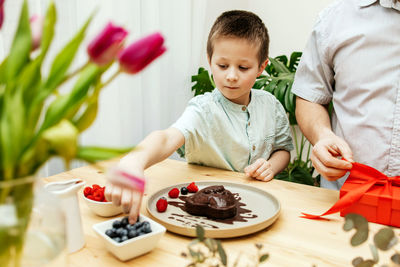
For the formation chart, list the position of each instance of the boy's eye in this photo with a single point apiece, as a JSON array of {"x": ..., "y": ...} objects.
[
  {"x": 243, "y": 68},
  {"x": 222, "y": 66}
]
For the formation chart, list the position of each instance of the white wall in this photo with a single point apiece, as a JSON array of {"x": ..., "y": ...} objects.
[{"x": 133, "y": 106}]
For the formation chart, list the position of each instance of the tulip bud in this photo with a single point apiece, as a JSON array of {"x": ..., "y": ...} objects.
[
  {"x": 62, "y": 139},
  {"x": 105, "y": 47},
  {"x": 1, "y": 12},
  {"x": 36, "y": 30},
  {"x": 138, "y": 55}
]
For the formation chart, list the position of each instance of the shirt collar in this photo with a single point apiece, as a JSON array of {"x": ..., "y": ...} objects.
[
  {"x": 227, "y": 103},
  {"x": 385, "y": 3}
]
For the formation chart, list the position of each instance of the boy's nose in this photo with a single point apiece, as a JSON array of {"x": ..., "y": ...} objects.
[{"x": 231, "y": 75}]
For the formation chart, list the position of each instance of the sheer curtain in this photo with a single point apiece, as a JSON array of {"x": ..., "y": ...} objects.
[{"x": 133, "y": 106}]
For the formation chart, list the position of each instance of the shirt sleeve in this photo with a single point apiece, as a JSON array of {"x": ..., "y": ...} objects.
[
  {"x": 314, "y": 78},
  {"x": 189, "y": 124},
  {"x": 283, "y": 137}
]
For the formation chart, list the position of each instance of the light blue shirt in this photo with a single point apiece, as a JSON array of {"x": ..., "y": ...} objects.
[
  {"x": 219, "y": 133},
  {"x": 353, "y": 59}
]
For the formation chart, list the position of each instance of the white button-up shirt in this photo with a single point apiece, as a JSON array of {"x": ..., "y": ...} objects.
[{"x": 353, "y": 58}]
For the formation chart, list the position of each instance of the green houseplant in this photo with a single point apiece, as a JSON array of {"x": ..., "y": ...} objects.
[
  {"x": 38, "y": 122},
  {"x": 278, "y": 80}
]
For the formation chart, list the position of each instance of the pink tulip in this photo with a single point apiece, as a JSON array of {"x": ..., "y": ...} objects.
[
  {"x": 1, "y": 12},
  {"x": 36, "y": 30},
  {"x": 138, "y": 55},
  {"x": 105, "y": 47}
]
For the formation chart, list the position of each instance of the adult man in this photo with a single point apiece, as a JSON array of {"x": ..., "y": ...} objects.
[{"x": 352, "y": 59}]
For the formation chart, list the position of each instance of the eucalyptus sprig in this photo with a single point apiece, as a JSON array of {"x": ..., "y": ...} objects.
[
  {"x": 384, "y": 240},
  {"x": 204, "y": 251}
]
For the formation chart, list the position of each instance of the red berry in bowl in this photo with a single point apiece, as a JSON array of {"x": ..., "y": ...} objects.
[
  {"x": 173, "y": 193},
  {"x": 162, "y": 204}
]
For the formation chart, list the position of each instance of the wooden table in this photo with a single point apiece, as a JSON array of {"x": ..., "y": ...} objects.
[{"x": 290, "y": 241}]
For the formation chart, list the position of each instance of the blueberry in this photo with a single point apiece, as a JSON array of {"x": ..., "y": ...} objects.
[
  {"x": 147, "y": 228},
  {"x": 132, "y": 233},
  {"x": 116, "y": 224},
  {"x": 139, "y": 225},
  {"x": 117, "y": 239},
  {"x": 111, "y": 232},
  {"x": 130, "y": 227},
  {"x": 184, "y": 191},
  {"x": 124, "y": 222},
  {"x": 124, "y": 238},
  {"x": 121, "y": 232}
]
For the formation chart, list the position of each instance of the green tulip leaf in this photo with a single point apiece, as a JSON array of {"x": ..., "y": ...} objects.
[
  {"x": 385, "y": 239},
  {"x": 21, "y": 46},
  {"x": 62, "y": 62},
  {"x": 48, "y": 29},
  {"x": 93, "y": 154}
]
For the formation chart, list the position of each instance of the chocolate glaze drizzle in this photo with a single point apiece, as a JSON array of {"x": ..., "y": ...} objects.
[{"x": 242, "y": 215}]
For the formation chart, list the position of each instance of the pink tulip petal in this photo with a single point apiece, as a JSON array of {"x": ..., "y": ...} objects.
[
  {"x": 141, "y": 53},
  {"x": 105, "y": 47}
]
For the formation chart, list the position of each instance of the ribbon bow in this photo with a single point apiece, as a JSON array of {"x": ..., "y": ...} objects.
[{"x": 367, "y": 177}]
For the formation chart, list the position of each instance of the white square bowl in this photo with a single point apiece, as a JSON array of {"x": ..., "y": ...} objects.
[{"x": 133, "y": 247}]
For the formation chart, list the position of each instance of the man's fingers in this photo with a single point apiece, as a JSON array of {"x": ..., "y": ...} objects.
[
  {"x": 330, "y": 161},
  {"x": 108, "y": 191},
  {"x": 329, "y": 173}
]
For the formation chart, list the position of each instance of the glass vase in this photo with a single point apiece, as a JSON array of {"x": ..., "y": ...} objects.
[{"x": 32, "y": 225}]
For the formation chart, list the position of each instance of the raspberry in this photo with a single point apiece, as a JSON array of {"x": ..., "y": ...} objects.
[
  {"x": 161, "y": 204},
  {"x": 87, "y": 191},
  {"x": 192, "y": 188},
  {"x": 96, "y": 186},
  {"x": 173, "y": 193}
]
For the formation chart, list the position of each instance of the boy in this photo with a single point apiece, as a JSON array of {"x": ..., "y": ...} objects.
[{"x": 233, "y": 127}]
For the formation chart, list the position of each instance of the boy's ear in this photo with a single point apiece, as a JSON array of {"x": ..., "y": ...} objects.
[
  {"x": 262, "y": 67},
  {"x": 209, "y": 60}
]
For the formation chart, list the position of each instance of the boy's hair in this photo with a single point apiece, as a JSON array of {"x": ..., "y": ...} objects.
[{"x": 241, "y": 24}]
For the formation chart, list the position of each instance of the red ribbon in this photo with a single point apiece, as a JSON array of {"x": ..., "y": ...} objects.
[{"x": 367, "y": 177}]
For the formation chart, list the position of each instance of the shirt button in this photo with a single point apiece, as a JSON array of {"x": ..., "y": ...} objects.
[
  {"x": 254, "y": 147},
  {"x": 248, "y": 124},
  {"x": 244, "y": 108}
]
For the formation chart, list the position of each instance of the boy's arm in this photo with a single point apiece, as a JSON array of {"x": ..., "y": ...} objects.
[
  {"x": 265, "y": 170},
  {"x": 156, "y": 147}
]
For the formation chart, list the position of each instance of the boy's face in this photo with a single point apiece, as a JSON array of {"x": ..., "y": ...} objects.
[{"x": 235, "y": 67}]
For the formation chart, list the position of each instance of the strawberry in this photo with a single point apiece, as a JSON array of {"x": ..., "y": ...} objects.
[
  {"x": 162, "y": 204},
  {"x": 173, "y": 193},
  {"x": 192, "y": 188},
  {"x": 87, "y": 191}
]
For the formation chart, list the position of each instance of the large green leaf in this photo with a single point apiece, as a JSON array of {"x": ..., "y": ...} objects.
[{"x": 204, "y": 82}]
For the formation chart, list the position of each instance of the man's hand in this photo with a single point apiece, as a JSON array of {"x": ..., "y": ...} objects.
[
  {"x": 327, "y": 157},
  {"x": 260, "y": 170}
]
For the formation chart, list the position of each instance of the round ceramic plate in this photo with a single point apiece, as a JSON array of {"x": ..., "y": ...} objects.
[{"x": 257, "y": 209}]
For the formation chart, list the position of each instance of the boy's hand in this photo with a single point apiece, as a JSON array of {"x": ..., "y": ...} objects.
[
  {"x": 260, "y": 170},
  {"x": 126, "y": 190}
]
